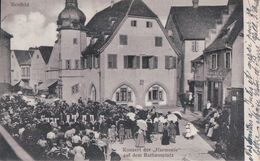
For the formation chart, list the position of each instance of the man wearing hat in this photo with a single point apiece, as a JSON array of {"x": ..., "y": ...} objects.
[
  {"x": 115, "y": 156},
  {"x": 149, "y": 131}
]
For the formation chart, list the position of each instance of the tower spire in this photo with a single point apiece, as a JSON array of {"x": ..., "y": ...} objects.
[{"x": 72, "y": 3}]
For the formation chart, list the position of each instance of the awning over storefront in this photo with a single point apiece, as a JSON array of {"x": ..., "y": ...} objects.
[{"x": 45, "y": 85}]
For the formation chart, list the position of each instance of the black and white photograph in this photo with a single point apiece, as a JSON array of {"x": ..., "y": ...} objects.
[{"x": 129, "y": 80}]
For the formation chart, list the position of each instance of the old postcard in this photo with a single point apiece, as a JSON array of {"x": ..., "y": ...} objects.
[{"x": 129, "y": 80}]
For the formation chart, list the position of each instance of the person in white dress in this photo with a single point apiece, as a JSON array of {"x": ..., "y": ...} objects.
[{"x": 79, "y": 153}]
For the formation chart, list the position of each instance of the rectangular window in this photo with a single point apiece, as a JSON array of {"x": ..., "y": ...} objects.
[
  {"x": 75, "y": 41},
  {"x": 123, "y": 39},
  {"x": 23, "y": 72},
  {"x": 75, "y": 89},
  {"x": 218, "y": 61},
  {"x": 214, "y": 61},
  {"x": 117, "y": 96},
  {"x": 149, "y": 62},
  {"x": 97, "y": 62},
  {"x": 134, "y": 23},
  {"x": 129, "y": 96},
  {"x": 195, "y": 46},
  {"x": 112, "y": 61},
  {"x": 123, "y": 92},
  {"x": 27, "y": 72},
  {"x": 149, "y": 24},
  {"x": 76, "y": 64},
  {"x": 82, "y": 63},
  {"x": 158, "y": 41},
  {"x": 67, "y": 64},
  {"x": 155, "y": 93},
  {"x": 170, "y": 62},
  {"x": 131, "y": 62},
  {"x": 228, "y": 60},
  {"x": 89, "y": 61}
]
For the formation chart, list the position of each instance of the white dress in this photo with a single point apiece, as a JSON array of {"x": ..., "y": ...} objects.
[{"x": 79, "y": 153}]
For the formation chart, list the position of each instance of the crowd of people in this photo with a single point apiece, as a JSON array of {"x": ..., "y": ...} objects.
[
  {"x": 83, "y": 130},
  {"x": 215, "y": 122}
]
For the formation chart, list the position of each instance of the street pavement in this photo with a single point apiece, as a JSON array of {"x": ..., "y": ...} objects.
[{"x": 185, "y": 150}]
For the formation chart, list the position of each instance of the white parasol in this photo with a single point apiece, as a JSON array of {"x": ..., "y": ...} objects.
[
  {"x": 43, "y": 96},
  {"x": 178, "y": 114},
  {"x": 20, "y": 93},
  {"x": 142, "y": 124},
  {"x": 139, "y": 107},
  {"x": 131, "y": 115},
  {"x": 172, "y": 117}
]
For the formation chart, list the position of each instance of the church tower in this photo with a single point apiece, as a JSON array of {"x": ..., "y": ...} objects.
[{"x": 72, "y": 41}]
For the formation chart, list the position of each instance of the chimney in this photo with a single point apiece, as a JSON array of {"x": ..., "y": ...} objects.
[
  {"x": 112, "y": 3},
  {"x": 195, "y": 3}
]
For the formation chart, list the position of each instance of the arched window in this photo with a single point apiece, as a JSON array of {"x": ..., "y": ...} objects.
[
  {"x": 124, "y": 94},
  {"x": 156, "y": 95}
]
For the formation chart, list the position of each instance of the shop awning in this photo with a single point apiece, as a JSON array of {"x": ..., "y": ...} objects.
[{"x": 45, "y": 85}]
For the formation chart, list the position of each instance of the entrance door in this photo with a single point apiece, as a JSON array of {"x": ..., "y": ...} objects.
[
  {"x": 93, "y": 95},
  {"x": 199, "y": 102}
]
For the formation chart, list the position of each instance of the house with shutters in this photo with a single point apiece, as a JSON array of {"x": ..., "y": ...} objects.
[
  {"x": 123, "y": 54},
  {"x": 192, "y": 29},
  {"x": 223, "y": 61},
  {"x": 21, "y": 69},
  {"x": 39, "y": 63}
]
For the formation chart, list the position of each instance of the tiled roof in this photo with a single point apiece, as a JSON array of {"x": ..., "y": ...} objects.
[
  {"x": 23, "y": 56},
  {"x": 3, "y": 32},
  {"x": 194, "y": 23},
  {"x": 46, "y": 53},
  {"x": 229, "y": 32},
  {"x": 104, "y": 23}
]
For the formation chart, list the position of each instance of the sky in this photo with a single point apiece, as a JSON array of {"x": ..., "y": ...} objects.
[{"x": 35, "y": 25}]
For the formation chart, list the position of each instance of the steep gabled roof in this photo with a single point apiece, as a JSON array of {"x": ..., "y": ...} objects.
[
  {"x": 4, "y": 33},
  {"x": 194, "y": 23},
  {"x": 229, "y": 32},
  {"x": 23, "y": 56},
  {"x": 46, "y": 53},
  {"x": 105, "y": 23}
]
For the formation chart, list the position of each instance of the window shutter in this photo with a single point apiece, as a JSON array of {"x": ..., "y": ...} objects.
[
  {"x": 174, "y": 63},
  {"x": 151, "y": 62},
  {"x": 89, "y": 64},
  {"x": 98, "y": 61},
  {"x": 115, "y": 61},
  {"x": 155, "y": 62},
  {"x": 125, "y": 62},
  {"x": 167, "y": 65},
  {"x": 137, "y": 62}
]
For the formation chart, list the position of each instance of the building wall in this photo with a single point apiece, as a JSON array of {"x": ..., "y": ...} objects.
[
  {"x": 114, "y": 78},
  {"x": 38, "y": 70},
  {"x": 190, "y": 55},
  {"x": 16, "y": 72},
  {"x": 72, "y": 52},
  {"x": 221, "y": 74},
  {"x": 5, "y": 63},
  {"x": 238, "y": 62}
]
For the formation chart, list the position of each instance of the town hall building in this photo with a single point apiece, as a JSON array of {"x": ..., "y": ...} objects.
[{"x": 123, "y": 54}]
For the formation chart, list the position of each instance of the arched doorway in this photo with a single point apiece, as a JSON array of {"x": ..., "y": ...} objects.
[{"x": 93, "y": 93}]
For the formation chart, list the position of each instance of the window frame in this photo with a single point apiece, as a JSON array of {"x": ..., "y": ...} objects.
[
  {"x": 149, "y": 24},
  {"x": 133, "y": 23},
  {"x": 135, "y": 61},
  {"x": 230, "y": 59},
  {"x": 152, "y": 62},
  {"x": 123, "y": 39},
  {"x": 112, "y": 57},
  {"x": 158, "y": 41},
  {"x": 159, "y": 96},
  {"x": 67, "y": 64},
  {"x": 170, "y": 62},
  {"x": 195, "y": 46},
  {"x": 75, "y": 41}
]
